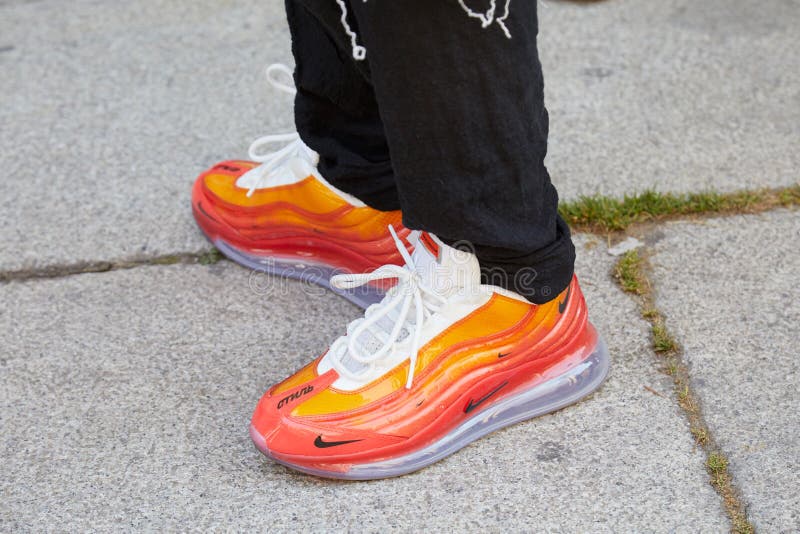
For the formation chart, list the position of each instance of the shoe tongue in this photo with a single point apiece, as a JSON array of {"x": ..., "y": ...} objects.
[{"x": 443, "y": 267}]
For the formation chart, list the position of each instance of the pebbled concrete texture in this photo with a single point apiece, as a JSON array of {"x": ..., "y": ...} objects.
[
  {"x": 110, "y": 110},
  {"x": 676, "y": 95},
  {"x": 126, "y": 397},
  {"x": 729, "y": 290}
]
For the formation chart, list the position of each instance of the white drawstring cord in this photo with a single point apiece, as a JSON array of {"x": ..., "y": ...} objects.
[
  {"x": 359, "y": 52},
  {"x": 501, "y": 21},
  {"x": 490, "y": 16},
  {"x": 410, "y": 290},
  {"x": 487, "y": 18}
]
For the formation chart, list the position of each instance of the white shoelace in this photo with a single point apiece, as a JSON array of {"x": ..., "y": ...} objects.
[
  {"x": 410, "y": 290},
  {"x": 293, "y": 145}
]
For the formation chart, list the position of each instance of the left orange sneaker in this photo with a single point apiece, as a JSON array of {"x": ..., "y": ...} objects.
[
  {"x": 280, "y": 216},
  {"x": 276, "y": 213},
  {"x": 443, "y": 360}
]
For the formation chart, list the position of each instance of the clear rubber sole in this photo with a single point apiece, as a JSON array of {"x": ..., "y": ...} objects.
[
  {"x": 554, "y": 394},
  {"x": 298, "y": 269}
]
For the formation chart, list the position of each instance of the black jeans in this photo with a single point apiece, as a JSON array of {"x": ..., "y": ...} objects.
[{"x": 445, "y": 119}]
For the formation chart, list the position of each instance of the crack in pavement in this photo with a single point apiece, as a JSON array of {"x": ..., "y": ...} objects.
[
  {"x": 59, "y": 271},
  {"x": 633, "y": 276}
]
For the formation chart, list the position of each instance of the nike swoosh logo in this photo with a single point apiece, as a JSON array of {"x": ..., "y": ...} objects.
[
  {"x": 321, "y": 444},
  {"x": 503, "y": 354},
  {"x": 563, "y": 304},
  {"x": 472, "y": 404}
]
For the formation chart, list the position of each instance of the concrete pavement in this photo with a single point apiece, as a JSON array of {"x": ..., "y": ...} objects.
[
  {"x": 729, "y": 290},
  {"x": 126, "y": 395},
  {"x": 132, "y": 412},
  {"x": 110, "y": 113}
]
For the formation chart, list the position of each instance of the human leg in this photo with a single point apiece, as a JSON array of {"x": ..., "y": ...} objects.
[
  {"x": 446, "y": 357},
  {"x": 462, "y": 103}
]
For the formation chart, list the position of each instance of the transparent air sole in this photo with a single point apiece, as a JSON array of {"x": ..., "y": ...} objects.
[
  {"x": 544, "y": 398},
  {"x": 314, "y": 273}
]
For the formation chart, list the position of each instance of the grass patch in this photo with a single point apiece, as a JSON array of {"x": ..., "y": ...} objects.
[
  {"x": 717, "y": 465},
  {"x": 632, "y": 274},
  {"x": 650, "y": 313},
  {"x": 662, "y": 339},
  {"x": 165, "y": 260},
  {"x": 628, "y": 273},
  {"x": 789, "y": 196},
  {"x": 211, "y": 257},
  {"x": 700, "y": 435},
  {"x": 607, "y": 214}
]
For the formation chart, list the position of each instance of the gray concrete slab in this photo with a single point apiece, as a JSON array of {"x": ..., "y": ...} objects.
[
  {"x": 676, "y": 95},
  {"x": 126, "y": 397},
  {"x": 110, "y": 110},
  {"x": 729, "y": 290}
]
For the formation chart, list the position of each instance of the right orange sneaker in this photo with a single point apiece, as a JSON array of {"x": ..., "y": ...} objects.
[{"x": 442, "y": 361}]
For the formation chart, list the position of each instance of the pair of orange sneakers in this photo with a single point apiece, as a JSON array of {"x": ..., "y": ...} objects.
[{"x": 437, "y": 360}]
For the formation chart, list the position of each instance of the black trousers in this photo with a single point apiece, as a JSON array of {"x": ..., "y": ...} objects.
[{"x": 443, "y": 118}]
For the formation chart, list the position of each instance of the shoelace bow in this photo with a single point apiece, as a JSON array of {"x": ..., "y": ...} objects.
[
  {"x": 410, "y": 290},
  {"x": 294, "y": 146}
]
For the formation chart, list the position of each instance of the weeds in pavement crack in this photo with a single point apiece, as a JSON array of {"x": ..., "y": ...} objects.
[
  {"x": 211, "y": 257},
  {"x": 632, "y": 273},
  {"x": 602, "y": 214},
  {"x": 58, "y": 271},
  {"x": 597, "y": 214}
]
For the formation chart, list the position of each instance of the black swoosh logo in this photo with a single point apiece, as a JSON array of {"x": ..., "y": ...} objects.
[
  {"x": 472, "y": 404},
  {"x": 321, "y": 444},
  {"x": 503, "y": 354},
  {"x": 563, "y": 304}
]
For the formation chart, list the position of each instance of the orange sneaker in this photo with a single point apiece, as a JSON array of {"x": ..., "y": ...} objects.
[
  {"x": 277, "y": 214},
  {"x": 443, "y": 360}
]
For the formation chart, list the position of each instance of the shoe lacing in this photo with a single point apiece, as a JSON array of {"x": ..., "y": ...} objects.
[
  {"x": 388, "y": 321},
  {"x": 294, "y": 147}
]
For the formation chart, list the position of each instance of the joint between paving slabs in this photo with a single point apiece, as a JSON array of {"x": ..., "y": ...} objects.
[
  {"x": 597, "y": 215},
  {"x": 60, "y": 271},
  {"x": 600, "y": 214},
  {"x": 633, "y": 274}
]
